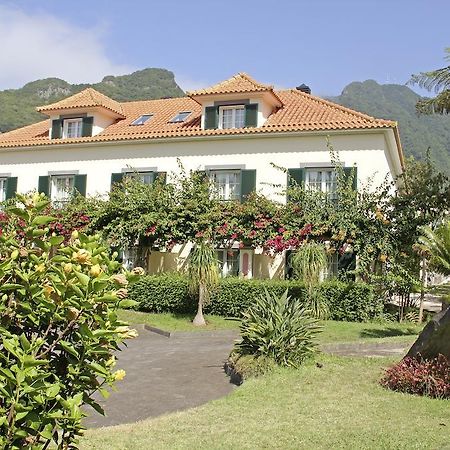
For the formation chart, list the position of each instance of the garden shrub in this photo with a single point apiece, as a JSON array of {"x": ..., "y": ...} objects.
[
  {"x": 235, "y": 295},
  {"x": 58, "y": 327},
  {"x": 169, "y": 293},
  {"x": 242, "y": 367},
  {"x": 279, "y": 328},
  {"x": 352, "y": 302},
  {"x": 419, "y": 376}
]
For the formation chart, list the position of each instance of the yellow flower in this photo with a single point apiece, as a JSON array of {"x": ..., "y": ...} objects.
[
  {"x": 82, "y": 256},
  {"x": 68, "y": 267},
  {"x": 383, "y": 258},
  {"x": 119, "y": 375},
  {"x": 40, "y": 268},
  {"x": 48, "y": 290},
  {"x": 95, "y": 270},
  {"x": 74, "y": 234}
]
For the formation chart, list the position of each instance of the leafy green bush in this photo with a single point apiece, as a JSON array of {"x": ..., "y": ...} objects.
[
  {"x": 278, "y": 328},
  {"x": 58, "y": 327},
  {"x": 352, "y": 302},
  {"x": 169, "y": 293},
  {"x": 235, "y": 295}
]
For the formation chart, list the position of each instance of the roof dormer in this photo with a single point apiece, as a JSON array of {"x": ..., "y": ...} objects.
[
  {"x": 239, "y": 102},
  {"x": 84, "y": 114}
]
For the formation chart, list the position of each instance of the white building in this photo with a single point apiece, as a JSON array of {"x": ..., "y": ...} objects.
[{"x": 234, "y": 130}]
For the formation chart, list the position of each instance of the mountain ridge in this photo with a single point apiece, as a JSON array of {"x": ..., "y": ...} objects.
[
  {"x": 18, "y": 106},
  {"x": 397, "y": 102}
]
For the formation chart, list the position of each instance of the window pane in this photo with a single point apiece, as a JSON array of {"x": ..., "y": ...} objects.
[
  {"x": 227, "y": 121},
  {"x": 232, "y": 262},
  {"x": 227, "y": 184},
  {"x": 240, "y": 118},
  {"x": 62, "y": 188}
]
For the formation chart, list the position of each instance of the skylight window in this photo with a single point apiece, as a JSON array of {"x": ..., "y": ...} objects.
[
  {"x": 142, "y": 119},
  {"x": 180, "y": 117}
]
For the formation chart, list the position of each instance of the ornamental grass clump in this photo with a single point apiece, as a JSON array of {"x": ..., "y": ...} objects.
[
  {"x": 279, "y": 328},
  {"x": 309, "y": 262},
  {"x": 420, "y": 377},
  {"x": 59, "y": 329}
]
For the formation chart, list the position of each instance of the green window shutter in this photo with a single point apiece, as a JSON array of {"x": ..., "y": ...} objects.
[
  {"x": 86, "y": 129},
  {"x": 211, "y": 117},
  {"x": 248, "y": 183},
  {"x": 161, "y": 176},
  {"x": 11, "y": 187},
  {"x": 352, "y": 172},
  {"x": 80, "y": 184},
  {"x": 44, "y": 185},
  {"x": 57, "y": 126},
  {"x": 116, "y": 178},
  {"x": 251, "y": 115}
]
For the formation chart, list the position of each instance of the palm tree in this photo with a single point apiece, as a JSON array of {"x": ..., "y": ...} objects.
[
  {"x": 439, "y": 82},
  {"x": 203, "y": 276},
  {"x": 308, "y": 263},
  {"x": 437, "y": 243}
]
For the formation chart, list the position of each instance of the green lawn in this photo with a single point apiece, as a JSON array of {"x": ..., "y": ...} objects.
[
  {"x": 332, "y": 331},
  {"x": 339, "y": 406},
  {"x": 176, "y": 322}
]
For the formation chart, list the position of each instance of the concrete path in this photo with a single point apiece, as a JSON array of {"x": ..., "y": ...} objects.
[
  {"x": 367, "y": 349},
  {"x": 166, "y": 375}
]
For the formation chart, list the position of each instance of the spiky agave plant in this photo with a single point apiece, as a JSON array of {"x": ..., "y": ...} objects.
[
  {"x": 308, "y": 262},
  {"x": 203, "y": 276}
]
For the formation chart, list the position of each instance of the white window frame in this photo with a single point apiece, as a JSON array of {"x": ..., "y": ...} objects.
[
  {"x": 140, "y": 175},
  {"x": 233, "y": 109},
  {"x": 323, "y": 182},
  {"x": 227, "y": 185},
  {"x": 180, "y": 117},
  {"x": 225, "y": 268},
  {"x": 3, "y": 183},
  {"x": 60, "y": 197},
  {"x": 66, "y": 122},
  {"x": 140, "y": 120}
]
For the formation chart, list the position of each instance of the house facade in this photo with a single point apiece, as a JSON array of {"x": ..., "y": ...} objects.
[{"x": 236, "y": 131}]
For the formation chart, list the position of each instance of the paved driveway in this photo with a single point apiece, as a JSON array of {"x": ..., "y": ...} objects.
[{"x": 167, "y": 374}]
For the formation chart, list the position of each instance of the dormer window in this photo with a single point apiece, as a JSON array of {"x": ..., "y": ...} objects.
[
  {"x": 72, "y": 128},
  {"x": 232, "y": 116},
  {"x": 142, "y": 119}
]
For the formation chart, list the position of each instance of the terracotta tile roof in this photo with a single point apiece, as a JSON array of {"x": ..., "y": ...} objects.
[
  {"x": 87, "y": 98},
  {"x": 239, "y": 83},
  {"x": 300, "y": 112}
]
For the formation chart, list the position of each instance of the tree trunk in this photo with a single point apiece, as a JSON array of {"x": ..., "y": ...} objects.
[
  {"x": 199, "y": 320},
  {"x": 422, "y": 288}
]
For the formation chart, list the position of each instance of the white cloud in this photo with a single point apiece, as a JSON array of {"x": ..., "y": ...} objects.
[
  {"x": 188, "y": 84},
  {"x": 40, "y": 46}
]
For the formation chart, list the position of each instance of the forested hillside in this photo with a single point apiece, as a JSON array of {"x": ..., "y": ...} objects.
[
  {"x": 17, "y": 106},
  {"x": 397, "y": 102}
]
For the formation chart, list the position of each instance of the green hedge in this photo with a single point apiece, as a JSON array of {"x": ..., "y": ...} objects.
[{"x": 169, "y": 293}]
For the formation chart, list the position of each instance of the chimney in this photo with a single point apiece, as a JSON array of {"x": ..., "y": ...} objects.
[{"x": 304, "y": 88}]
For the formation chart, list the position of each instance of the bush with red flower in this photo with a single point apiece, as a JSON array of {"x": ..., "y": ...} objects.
[{"x": 420, "y": 377}]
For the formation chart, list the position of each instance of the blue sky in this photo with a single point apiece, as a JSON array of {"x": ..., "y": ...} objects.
[{"x": 324, "y": 43}]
